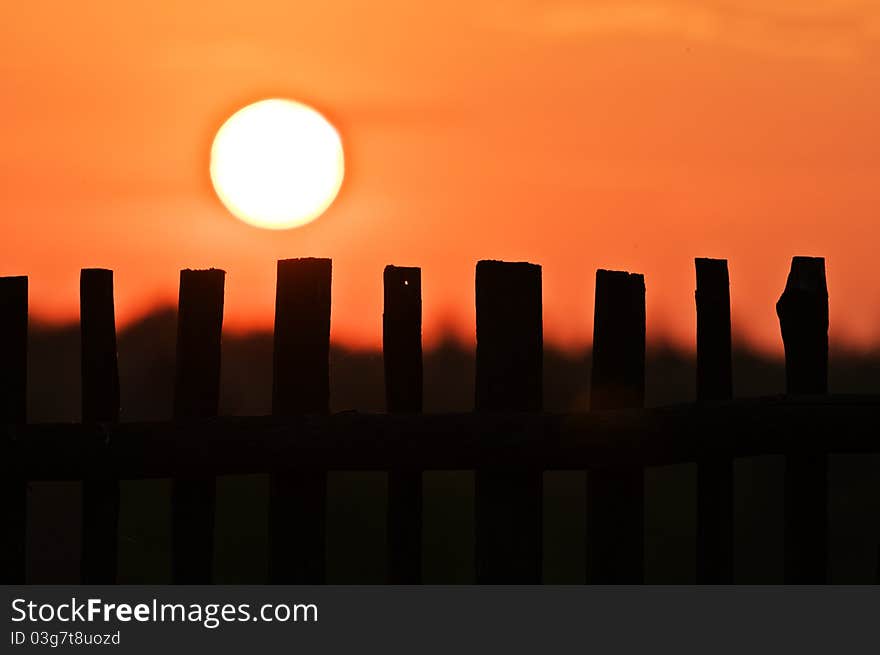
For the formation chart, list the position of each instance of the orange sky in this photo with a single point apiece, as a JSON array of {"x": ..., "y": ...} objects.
[{"x": 620, "y": 134}]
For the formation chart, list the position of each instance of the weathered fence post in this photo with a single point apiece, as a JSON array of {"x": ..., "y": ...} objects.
[
  {"x": 196, "y": 396},
  {"x": 615, "y": 496},
  {"x": 714, "y": 383},
  {"x": 509, "y": 377},
  {"x": 13, "y": 412},
  {"x": 877, "y": 566},
  {"x": 100, "y": 404},
  {"x": 402, "y": 353},
  {"x": 803, "y": 319},
  {"x": 301, "y": 385}
]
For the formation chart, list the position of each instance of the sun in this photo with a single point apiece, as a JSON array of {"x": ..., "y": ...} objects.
[{"x": 277, "y": 164}]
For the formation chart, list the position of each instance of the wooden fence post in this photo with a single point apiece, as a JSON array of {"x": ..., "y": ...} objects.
[
  {"x": 877, "y": 567},
  {"x": 100, "y": 404},
  {"x": 509, "y": 377},
  {"x": 13, "y": 412},
  {"x": 301, "y": 385},
  {"x": 615, "y": 497},
  {"x": 402, "y": 353},
  {"x": 803, "y": 319},
  {"x": 714, "y": 384},
  {"x": 196, "y": 396}
]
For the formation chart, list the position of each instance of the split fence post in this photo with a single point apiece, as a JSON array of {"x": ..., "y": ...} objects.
[{"x": 803, "y": 319}]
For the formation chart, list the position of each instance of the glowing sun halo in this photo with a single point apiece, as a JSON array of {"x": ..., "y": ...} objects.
[{"x": 277, "y": 164}]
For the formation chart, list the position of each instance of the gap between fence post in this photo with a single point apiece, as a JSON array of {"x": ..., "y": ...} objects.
[
  {"x": 300, "y": 385},
  {"x": 803, "y": 320},
  {"x": 509, "y": 377},
  {"x": 13, "y": 413},
  {"x": 196, "y": 396},
  {"x": 402, "y": 356},
  {"x": 714, "y": 384},
  {"x": 99, "y": 373},
  {"x": 615, "y": 496}
]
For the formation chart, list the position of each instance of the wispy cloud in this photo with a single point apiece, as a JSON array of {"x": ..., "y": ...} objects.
[{"x": 827, "y": 29}]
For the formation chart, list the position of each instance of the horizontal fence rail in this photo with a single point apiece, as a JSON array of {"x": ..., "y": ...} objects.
[
  {"x": 362, "y": 441},
  {"x": 508, "y": 440}
]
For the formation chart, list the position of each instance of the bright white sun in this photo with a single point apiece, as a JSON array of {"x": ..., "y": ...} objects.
[{"x": 277, "y": 164}]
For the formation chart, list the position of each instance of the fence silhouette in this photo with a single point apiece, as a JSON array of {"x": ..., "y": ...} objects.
[{"x": 508, "y": 440}]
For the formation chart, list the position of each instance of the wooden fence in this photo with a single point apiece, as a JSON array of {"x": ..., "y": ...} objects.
[{"x": 508, "y": 441}]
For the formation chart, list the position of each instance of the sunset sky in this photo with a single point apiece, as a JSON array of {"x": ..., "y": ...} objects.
[{"x": 623, "y": 134}]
